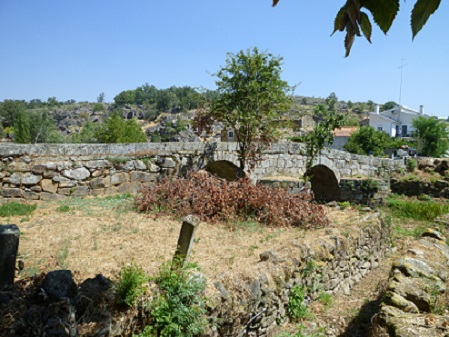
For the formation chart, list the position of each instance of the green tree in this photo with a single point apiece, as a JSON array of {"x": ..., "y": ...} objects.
[
  {"x": 356, "y": 22},
  {"x": 389, "y": 105},
  {"x": 22, "y": 134},
  {"x": 52, "y": 102},
  {"x": 9, "y": 110},
  {"x": 100, "y": 98},
  {"x": 252, "y": 94},
  {"x": 320, "y": 136},
  {"x": 115, "y": 129},
  {"x": 331, "y": 101},
  {"x": 370, "y": 105},
  {"x": 431, "y": 136},
  {"x": 350, "y": 104},
  {"x": 368, "y": 141},
  {"x": 125, "y": 97}
]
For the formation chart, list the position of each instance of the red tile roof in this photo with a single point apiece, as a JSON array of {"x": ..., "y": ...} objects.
[{"x": 345, "y": 131}]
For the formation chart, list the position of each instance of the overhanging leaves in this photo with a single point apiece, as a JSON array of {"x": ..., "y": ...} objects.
[
  {"x": 421, "y": 12},
  {"x": 351, "y": 18},
  {"x": 384, "y": 12}
]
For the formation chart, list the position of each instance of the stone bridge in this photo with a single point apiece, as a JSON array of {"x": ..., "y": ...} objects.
[{"x": 43, "y": 171}]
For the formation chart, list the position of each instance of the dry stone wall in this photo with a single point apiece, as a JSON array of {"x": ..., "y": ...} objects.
[
  {"x": 255, "y": 304},
  {"x": 416, "y": 299},
  {"x": 46, "y": 171}
]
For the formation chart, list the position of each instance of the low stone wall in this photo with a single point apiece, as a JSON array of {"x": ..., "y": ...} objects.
[
  {"x": 437, "y": 188},
  {"x": 364, "y": 191},
  {"x": 256, "y": 303},
  {"x": 415, "y": 302}
]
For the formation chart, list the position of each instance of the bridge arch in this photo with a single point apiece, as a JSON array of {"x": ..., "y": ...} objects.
[
  {"x": 324, "y": 183},
  {"x": 223, "y": 169}
]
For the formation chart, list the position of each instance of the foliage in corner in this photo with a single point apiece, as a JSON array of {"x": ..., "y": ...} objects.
[
  {"x": 214, "y": 199},
  {"x": 179, "y": 308},
  {"x": 352, "y": 19}
]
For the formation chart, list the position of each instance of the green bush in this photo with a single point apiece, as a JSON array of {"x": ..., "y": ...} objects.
[
  {"x": 16, "y": 209},
  {"x": 179, "y": 309},
  {"x": 130, "y": 285},
  {"x": 411, "y": 164},
  {"x": 296, "y": 308}
]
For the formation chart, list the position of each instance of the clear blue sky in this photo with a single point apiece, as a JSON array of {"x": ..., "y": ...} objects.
[{"x": 78, "y": 49}]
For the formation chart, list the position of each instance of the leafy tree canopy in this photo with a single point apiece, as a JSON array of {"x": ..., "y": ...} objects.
[
  {"x": 118, "y": 130},
  {"x": 389, "y": 105},
  {"x": 431, "y": 136},
  {"x": 353, "y": 17},
  {"x": 252, "y": 95},
  {"x": 368, "y": 141}
]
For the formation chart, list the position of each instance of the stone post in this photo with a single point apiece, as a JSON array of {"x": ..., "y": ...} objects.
[
  {"x": 9, "y": 245},
  {"x": 185, "y": 241}
]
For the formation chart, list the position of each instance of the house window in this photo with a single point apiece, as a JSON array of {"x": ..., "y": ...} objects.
[
  {"x": 230, "y": 134},
  {"x": 379, "y": 128}
]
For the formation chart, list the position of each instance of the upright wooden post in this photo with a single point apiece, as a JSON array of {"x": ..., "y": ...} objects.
[
  {"x": 185, "y": 241},
  {"x": 9, "y": 245}
]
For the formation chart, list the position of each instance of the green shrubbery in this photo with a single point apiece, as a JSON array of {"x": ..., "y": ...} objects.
[
  {"x": 177, "y": 308},
  {"x": 130, "y": 285},
  {"x": 417, "y": 210}
]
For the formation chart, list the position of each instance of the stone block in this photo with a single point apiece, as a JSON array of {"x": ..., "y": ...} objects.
[
  {"x": 49, "y": 186},
  {"x": 18, "y": 167},
  {"x": 67, "y": 183},
  {"x": 12, "y": 193},
  {"x": 97, "y": 183},
  {"x": 24, "y": 179},
  {"x": 80, "y": 191},
  {"x": 140, "y": 165},
  {"x": 38, "y": 169},
  {"x": 80, "y": 173},
  {"x": 36, "y": 189},
  {"x": 98, "y": 192},
  {"x": 97, "y": 173},
  {"x": 29, "y": 195},
  {"x": 119, "y": 178},
  {"x": 64, "y": 191},
  {"x": 46, "y": 196},
  {"x": 142, "y": 176},
  {"x": 98, "y": 164},
  {"x": 49, "y": 174}
]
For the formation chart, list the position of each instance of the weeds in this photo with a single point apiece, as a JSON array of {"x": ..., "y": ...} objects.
[
  {"x": 179, "y": 309},
  {"x": 426, "y": 211},
  {"x": 215, "y": 199},
  {"x": 16, "y": 209},
  {"x": 297, "y": 308},
  {"x": 63, "y": 209},
  {"x": 130, "y": 285},
  {"x": 325, "y": 299}
]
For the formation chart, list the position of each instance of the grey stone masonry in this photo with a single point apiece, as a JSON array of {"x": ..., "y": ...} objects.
[{"x": 95, "y": 169}]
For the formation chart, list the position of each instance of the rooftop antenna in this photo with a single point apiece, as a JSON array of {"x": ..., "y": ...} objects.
[{"x": 400, "y": 86}]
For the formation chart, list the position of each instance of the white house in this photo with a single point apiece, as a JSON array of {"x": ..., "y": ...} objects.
[{"x": 396, "y": 122}]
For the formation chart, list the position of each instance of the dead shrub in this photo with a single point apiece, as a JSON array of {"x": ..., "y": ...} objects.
[{"x": 214, "y": 199}]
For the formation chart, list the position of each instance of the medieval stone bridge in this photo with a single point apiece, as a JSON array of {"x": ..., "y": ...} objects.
[{"x": 44, "y": 171}]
